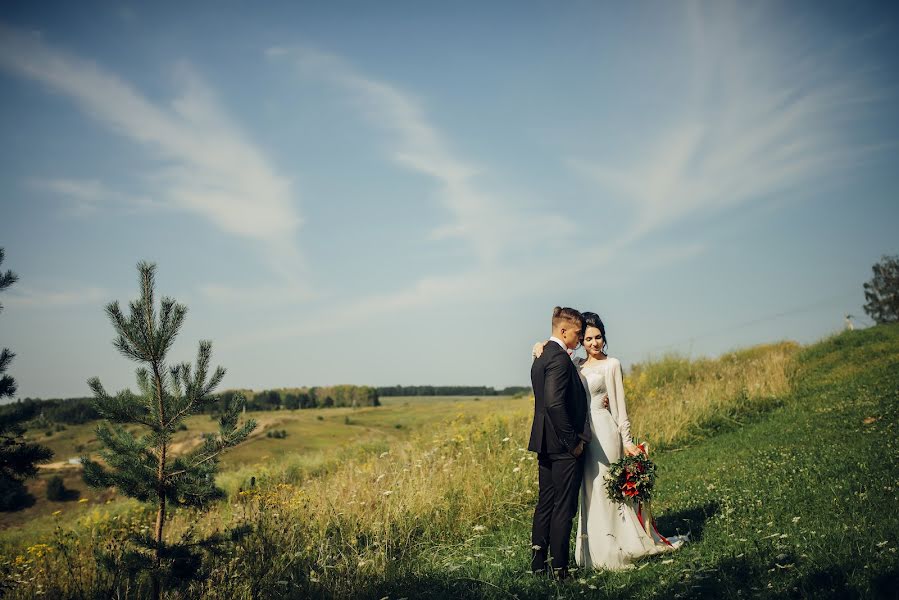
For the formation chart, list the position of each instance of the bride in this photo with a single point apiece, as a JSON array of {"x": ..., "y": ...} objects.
[{"x": 609, "y": 535}]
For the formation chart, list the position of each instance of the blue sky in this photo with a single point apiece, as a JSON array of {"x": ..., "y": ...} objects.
[{"x": 400, "y": 192}]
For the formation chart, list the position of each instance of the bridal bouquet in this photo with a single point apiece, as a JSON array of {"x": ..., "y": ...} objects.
[{"x": 631, "y": 479}]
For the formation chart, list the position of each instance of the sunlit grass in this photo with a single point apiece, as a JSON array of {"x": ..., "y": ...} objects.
[
  {"x": 673, "y": 400},
  {"x": 782, "y": 462}
]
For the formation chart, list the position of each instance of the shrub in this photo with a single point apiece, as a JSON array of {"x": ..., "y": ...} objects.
[{"x": 57, "y": 490}]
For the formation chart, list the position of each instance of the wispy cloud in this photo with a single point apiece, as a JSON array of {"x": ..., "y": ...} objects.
[
  {"x": 495, "y": 227},
  {"x": 26, "y": 297},
  {"x": 210, "y": 167},
  {"x": 760, "y": 116},
  {"x": 86, "y": 196},
  {"x": 256, "y": 296},
  {"x": 490, "y": 224},
  {"x": 439, "y": 293}
]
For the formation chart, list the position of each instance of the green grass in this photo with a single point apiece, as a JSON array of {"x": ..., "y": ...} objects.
[
  {"x": 797, "y": 501},
  {"x": 317, "y": 440},
  {"x": 800, "y": 504}
]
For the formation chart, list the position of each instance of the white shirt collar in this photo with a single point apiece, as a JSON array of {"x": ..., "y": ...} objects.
[{"x": 561, "y": 343}]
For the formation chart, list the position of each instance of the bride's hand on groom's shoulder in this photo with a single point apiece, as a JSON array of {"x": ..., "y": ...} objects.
[{"x": 538, "y": 349}]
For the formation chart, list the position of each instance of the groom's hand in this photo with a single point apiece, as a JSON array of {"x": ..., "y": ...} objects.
[{"x": 578, "y": 450}]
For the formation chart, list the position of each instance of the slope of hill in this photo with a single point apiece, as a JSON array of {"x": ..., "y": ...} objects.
[{"x": 788, "y": 491}]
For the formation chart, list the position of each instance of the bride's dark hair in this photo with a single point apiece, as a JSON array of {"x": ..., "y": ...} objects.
[{"x": 592, "y": 319}]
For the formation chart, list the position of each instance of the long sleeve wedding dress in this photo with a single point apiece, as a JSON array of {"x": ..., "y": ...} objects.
[{"x": 609, "y": 535}]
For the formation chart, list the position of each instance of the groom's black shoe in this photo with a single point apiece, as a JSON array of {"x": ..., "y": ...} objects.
[{"x": 560, "y": 573}]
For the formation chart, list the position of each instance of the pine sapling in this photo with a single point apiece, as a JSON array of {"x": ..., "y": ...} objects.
[{"x": 143, "y": 466}]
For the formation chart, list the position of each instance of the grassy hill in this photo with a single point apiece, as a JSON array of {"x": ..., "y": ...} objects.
[
  {"x": 316, "y": 439},
  {"x": 781, "y": 461}
]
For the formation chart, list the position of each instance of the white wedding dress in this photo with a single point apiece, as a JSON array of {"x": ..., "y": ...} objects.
[{"x": 609, "y": 535}]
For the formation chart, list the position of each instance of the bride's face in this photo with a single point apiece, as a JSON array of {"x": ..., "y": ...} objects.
[{"x": 593, "y": 341}]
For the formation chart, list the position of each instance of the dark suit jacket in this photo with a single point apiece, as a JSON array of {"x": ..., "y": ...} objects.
[{"x": 560, "y": 403}]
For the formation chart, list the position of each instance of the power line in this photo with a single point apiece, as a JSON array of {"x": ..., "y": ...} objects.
[{"x": 797, "y": 310}]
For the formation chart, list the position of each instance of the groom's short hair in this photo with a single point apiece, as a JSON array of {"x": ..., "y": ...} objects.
[{"x": 570, "y": 315}]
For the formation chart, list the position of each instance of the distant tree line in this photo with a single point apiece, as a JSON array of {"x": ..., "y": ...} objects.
[
  {"x": 71, "y": 411},
  {"x": 313, "y": 397},
  {"x": 450, "y": 390},
  {"x": 75, "y": 411}
]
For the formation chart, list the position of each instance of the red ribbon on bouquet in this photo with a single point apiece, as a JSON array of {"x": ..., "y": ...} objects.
[{"x": 647, "y": 522}]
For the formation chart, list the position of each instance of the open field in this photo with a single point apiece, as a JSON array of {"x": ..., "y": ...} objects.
[
  {"x": 316, "y": 440},
  {"x": 786, "y": 489}
]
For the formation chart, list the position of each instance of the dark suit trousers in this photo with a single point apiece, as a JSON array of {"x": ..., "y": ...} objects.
[{"x": 560, "y": 478}]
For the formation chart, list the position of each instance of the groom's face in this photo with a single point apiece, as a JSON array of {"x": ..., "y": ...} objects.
[{"x": 571, "y": 334}]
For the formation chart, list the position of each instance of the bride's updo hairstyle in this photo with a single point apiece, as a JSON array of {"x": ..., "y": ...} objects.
[
  {"x": 570, "y": 315},
  {"x": 592, "y": 319}
]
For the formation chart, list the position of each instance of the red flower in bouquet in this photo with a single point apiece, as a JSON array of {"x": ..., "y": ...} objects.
[{"x": 631, "y": 478}]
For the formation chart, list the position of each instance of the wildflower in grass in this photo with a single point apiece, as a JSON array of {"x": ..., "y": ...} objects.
[{"x": 479, "y": 528}]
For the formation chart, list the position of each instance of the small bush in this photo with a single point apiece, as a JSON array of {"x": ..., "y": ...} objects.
[
  {"x": 57, "y": 490},
  {"x": 319, "y": 418}
]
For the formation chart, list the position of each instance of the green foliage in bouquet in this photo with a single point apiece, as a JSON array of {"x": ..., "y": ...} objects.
[{"x": 631, "y": 479}]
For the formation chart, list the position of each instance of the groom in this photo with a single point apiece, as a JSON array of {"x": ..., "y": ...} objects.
[{"x": 558, "y": 435}]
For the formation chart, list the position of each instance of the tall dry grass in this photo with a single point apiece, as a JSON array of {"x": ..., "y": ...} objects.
[
  {"x": 403, "y": 513},
  {"x": 673, "y": 399}
]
